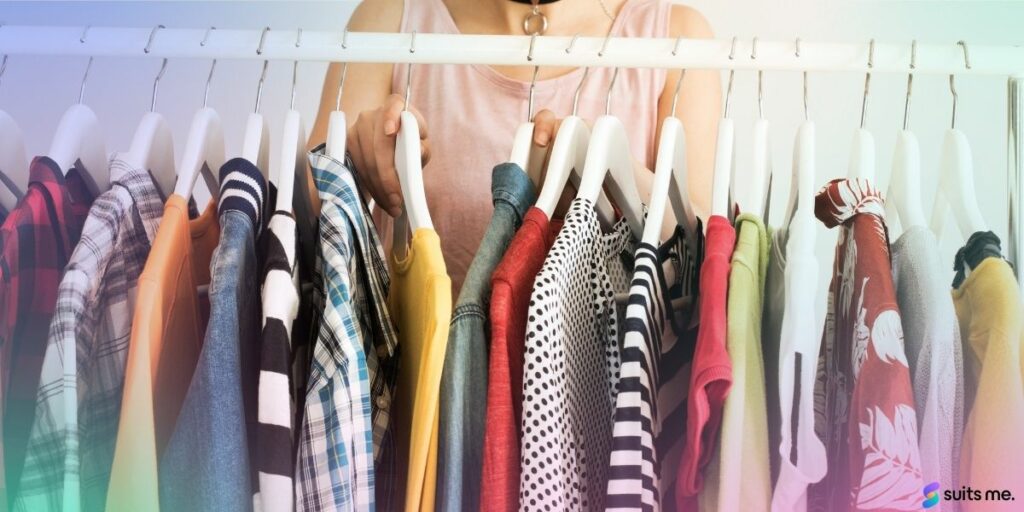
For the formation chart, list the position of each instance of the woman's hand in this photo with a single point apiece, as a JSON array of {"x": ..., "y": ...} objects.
[{"x": 371, "y": 143}]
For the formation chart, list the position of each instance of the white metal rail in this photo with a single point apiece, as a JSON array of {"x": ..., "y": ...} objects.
[
  {"x": 503, "y": 50},
  {"x": 266, "y": 44}
]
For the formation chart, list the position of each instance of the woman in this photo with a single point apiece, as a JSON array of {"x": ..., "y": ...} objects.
[{"x": 468, "y": 114}]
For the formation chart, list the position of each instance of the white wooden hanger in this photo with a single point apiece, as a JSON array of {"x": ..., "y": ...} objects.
[
  {"x": 801, "y": 196},
  {"x": 525, "y": 153},
  {"x": 753, "y": 196},
  {"x": 256, "y": 143},
  {"x": 204, "y": 148},
  {"x": 608, "y": 156},
  {"x": 293, "y": 159},
  {"x": 152, "y": 146},
  {"x": 862, "y": 150},
  {"x": 337, "y": 125},
  {"x": 670, "y": 181},
  {"x": 409, "y": 165},
  {"x": 568, "y": 157},
  {"x": 78, "y": 137},
  {"x": 903, "y": 199},
  {"x": 13, "y": 163},
  {"x": 956, "y": 177},
  {"x": 725, "y": 154}
]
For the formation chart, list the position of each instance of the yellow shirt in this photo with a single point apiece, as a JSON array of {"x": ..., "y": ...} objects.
[
  {"x": 421, "y": 307},
  {"x": 988, "y": 306},
  {"x": 738, "y": 478},
  {"x": 167, "y": 335}
]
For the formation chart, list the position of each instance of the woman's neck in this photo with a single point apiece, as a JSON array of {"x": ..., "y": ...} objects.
[{"x": 565, "y": 17}]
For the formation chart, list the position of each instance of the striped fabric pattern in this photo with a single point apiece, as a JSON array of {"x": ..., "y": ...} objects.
[
  {"x": 244, "y": 189},
  {"x": 656, "y": 349},
  {"x": 276, "y": 409}
]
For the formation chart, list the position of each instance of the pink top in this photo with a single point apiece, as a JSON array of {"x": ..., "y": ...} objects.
[{"x": 472, "y": 112}]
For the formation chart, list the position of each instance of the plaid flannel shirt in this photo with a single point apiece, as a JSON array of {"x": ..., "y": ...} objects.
[
  {"x": 36, "y": 240},
  {"x": 71, "y": 445},
  {"x": 354, "y": 369}
]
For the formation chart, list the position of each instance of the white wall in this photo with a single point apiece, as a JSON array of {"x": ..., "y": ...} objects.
[{"x": 37, "y": 90}]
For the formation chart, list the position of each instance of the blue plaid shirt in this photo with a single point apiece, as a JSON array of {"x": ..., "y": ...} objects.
[{"x": 354, "y": 369}]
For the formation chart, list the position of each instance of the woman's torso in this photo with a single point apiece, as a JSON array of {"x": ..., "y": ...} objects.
[{"x": 473, "y": 111}]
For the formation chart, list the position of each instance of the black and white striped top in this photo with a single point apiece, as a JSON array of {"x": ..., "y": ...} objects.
[
  {"x": 657, "y": 350},
  {"x": 276, "y": 410}
]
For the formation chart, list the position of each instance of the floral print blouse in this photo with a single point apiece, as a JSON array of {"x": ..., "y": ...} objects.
[{"x": 864, "y": 402}]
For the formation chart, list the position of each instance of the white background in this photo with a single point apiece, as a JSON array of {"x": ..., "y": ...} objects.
[{"x": 36, "y": 91}]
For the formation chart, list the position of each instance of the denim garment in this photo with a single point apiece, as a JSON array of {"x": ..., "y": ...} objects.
[
  {"x": 464, "y": 380},
  {"x": 206, "y": 466}
]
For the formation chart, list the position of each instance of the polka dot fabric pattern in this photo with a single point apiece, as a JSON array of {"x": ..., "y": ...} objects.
[{"x": 572, "y": 364}]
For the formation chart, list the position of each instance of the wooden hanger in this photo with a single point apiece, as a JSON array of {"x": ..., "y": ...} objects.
[
  {"x": 568, "y": 157},
  {"x": 204, "y": 148},
  {"x": 956, "y": 177},
  {"x": 78, "y": 138},
  {"x": 903, "y": 200},
  {"x": 528, "y": 156},
  {"x": 409, "y": 166},
  {"x": 862, "y": 154},
  {"x": 725, "y": 154},
  {"x": 293, "y": 162},
  {"x": 752, "y": 196},
  {"x": 152, "y": 146}
]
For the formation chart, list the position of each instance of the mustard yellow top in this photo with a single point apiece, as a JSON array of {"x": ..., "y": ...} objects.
[
  {"x": 168, "y": 326},
  {"x": 421, "y": 307},
  {"x": 988, "y": 306}
]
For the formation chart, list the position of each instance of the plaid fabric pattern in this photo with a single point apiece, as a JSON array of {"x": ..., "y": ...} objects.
[
  {"x": 354, "y": 369},
  {"x": 36, "y": 241},
  {"x": 71, "y": 445}
]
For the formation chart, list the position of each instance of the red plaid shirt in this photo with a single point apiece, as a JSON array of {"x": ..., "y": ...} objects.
[{"x": 36, "y": 240}]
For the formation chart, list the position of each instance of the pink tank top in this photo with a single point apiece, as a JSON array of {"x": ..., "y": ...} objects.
[{"x": 472, "y": 112}]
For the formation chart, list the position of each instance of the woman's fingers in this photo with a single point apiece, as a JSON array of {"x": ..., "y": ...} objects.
[
  {"x": 390, "y": 195},
  {"x": 545, "y": 124},
  {"x": 391, "y": 112}
]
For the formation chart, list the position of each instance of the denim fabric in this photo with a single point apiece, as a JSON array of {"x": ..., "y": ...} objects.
[
  {"x": 206, "y": 465},
  {"x": 464, "y": 380}
]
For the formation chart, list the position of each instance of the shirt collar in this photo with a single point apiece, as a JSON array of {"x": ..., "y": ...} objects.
[
  {"x": 841, "y": 200},
  {"x": 44, "y": 171},
  {"x": 511, "y": 185}
]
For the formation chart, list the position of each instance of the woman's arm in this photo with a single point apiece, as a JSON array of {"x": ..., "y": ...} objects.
[{"x": 371, "y": 110}]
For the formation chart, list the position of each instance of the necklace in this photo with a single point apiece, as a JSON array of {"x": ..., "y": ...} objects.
[{"x": 536, "y": 23}]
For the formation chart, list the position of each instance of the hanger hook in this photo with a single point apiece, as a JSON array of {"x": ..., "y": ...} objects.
[
  {"x": 732, "y": 73},
  {"x": 263, "y": 40},
  {"x": 952, "y": 86},
  {"x": 88, "y": 65},
  {"x": 608, "y": 99},
  {"x": 572, "y": 43},
  {"x": 604, "y": 46},
  {"x": 3, "y": 66},
  {"x": 295, "y": 69},
  {"x": 679, "y": 82},
  {"x": 206, "y": 36},
  {"x": 807, "y": 115},
  {"x": 259, "y": 87},
  {"x": 344, "y": 71},
  {"x": 209, "y": 78},
  {"x": 533, "y": 81},
  {"x": 156, "y": 84},
  {"x": 675, "y": 48},
  {"x": 910, "y": 83},
  {"x": 152, "y": 35},
  {"x": 579, "y": 87},
  {"x": 408, "y": 75},
  {"x": 867, "y": 83},
  {"x": 213, "y": 65},
  {"x": 760, "y": 80}
]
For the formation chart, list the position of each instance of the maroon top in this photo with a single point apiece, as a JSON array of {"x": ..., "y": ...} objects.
[
  {"x": 512, "y": 284},
  {"x": 711, "y": 373},
  {"x": 36, "y": 240},
  {"x": 863, "y": 397}
]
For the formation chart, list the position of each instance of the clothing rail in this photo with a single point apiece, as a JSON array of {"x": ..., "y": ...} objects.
[{"x": 267, "y": 44}]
